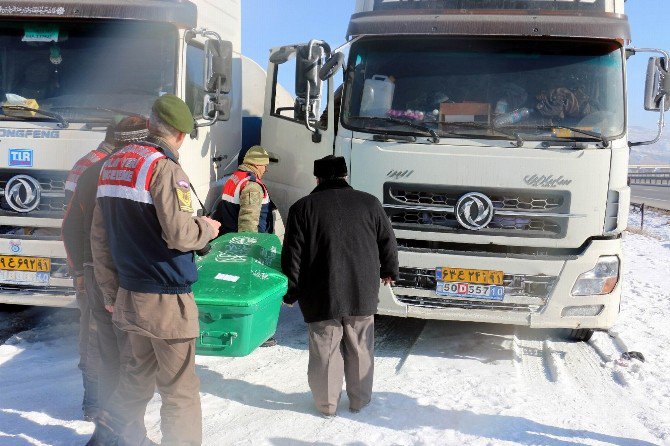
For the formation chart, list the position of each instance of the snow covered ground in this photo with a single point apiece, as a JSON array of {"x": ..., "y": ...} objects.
[{"x": 435, "y": 382}]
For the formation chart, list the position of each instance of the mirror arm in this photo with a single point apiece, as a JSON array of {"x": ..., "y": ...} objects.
[
  {"x": 633, "y": 51},
  {"x": 661, "y": 125}
]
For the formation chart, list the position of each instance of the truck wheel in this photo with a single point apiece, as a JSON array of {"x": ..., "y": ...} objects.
[{"x": 580, "y": 334}]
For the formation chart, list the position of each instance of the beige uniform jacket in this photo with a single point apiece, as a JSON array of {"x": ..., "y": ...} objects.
[
  {"x": 160, "y": 316},
  {"x": 251, "y": 201}
]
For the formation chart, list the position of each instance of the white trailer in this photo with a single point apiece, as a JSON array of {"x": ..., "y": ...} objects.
[
  {"x": 83, "y": 62},
  {"x": 494, "y": 133}
]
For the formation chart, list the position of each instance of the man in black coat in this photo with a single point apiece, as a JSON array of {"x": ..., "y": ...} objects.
[{"x": 338, "y": 245}]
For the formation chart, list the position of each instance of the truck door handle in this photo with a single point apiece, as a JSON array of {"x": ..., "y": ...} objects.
[
  {"x": 274, "y": 159},
  {"x": 219, "y": 158}
]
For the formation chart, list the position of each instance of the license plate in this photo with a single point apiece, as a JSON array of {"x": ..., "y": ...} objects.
[
  {"x": 18, "y": 263},
  {"x": 24, "y": 278},
  {"x": 470, "y": 290},
  {"x": 17, "y": 270},
  {"x": 472, "y": 276}
]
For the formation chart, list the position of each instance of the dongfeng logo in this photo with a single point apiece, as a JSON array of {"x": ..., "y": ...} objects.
[
  {"x": 474, "y": 211},
  {"x": 22, "y": 193}
]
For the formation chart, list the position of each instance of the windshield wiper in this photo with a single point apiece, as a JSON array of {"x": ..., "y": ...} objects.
[
  {"x": 109, "y": 110},
  {"x": 484, "y": 126},
  {"x": 594, "y": 135},
  {"x": 424, "y": 128},
  {"x": 62, "y": 123}
]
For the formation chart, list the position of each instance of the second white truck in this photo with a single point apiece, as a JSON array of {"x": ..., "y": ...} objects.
[{"x": 495, "y": 135}]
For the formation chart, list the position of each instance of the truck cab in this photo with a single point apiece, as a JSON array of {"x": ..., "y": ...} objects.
[
  {"x": 494, "y": 134},
  {"x": 68, "y": 67}
]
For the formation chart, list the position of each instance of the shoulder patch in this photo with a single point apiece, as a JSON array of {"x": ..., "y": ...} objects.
[
  {"x": 184, "y": 199},
  {"x": 183, "y": 183}
]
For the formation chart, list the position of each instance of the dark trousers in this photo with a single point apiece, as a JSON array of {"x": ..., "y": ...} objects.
[
  {"x": 341, "y": 349},
  {"x": 89, "y": 360},
  {"x": 109, "y": 340},
  {"x": 147, "y": 363}
]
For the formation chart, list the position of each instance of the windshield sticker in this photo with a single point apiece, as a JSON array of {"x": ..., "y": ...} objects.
[
  {"x": 40, "y": 34},
  {"x": 21, "y": 157},
  {"x": 32, "y": 10},
  {"x": 37, "y": 134},
  {"x": 15, "y": 246}
]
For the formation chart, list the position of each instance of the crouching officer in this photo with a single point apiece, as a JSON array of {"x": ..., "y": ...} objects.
[{"x": 143, "y": 237}]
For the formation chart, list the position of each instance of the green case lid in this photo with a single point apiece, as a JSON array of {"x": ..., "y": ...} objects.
[{"x": 241, "y": 270}]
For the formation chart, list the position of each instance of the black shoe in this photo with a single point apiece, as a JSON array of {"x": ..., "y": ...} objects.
[{"x": 270, "y": 342}]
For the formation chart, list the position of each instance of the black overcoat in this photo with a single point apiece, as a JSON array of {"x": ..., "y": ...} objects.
[{"x": 338, "y": 244}]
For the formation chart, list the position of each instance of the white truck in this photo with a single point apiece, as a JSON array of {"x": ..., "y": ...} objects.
[
  {"x": 79, "y": 63},
  {"x": 494, "y": 133}
]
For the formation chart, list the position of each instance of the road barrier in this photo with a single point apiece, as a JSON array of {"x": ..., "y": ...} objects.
[{"x": 653, "y": 175}]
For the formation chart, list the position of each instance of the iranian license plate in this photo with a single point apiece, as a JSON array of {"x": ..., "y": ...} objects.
[
  {"x": 17, "y": 270},
  {"x": 470, "y": 283},
  {"x": 470, "y": 290}
]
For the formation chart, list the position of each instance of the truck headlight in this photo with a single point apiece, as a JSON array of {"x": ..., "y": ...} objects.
[{"x": 602, "y": 279}]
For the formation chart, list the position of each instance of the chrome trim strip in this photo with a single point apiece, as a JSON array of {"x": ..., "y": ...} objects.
[{"x": 510, "y": 213}]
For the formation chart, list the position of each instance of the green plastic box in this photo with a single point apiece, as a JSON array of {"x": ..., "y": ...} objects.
[{"x": 239, "y": 293}]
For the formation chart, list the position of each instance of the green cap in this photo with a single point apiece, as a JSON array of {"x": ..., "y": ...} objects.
[
  {"x": 174, "y": 112},
  {"x": 258, "y": 156}
]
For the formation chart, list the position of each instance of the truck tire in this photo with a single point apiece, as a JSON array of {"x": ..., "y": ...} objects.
[{"x": 580, "y": 334}]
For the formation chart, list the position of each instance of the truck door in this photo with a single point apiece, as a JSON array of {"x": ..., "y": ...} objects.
[{"x": 294, "y": 136}]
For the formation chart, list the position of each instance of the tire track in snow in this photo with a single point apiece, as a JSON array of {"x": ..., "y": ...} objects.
[
  {"x": 555, "y": 370},
  {"x": 534, "y": 360}
]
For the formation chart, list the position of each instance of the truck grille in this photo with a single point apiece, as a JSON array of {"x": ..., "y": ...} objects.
[
  {"x": 513, "y": 201},
  {"x": 535, "y": 288},
  {"x": 52, "y": 202},
  {"x": 445, "y": 220},
  {"x": 517, "y": 213}
]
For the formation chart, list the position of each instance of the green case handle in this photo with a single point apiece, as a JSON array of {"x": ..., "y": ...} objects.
[{"x": 225, "y": 338}]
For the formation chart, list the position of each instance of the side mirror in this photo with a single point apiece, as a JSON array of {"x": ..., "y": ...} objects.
[
  {"x": 218, "y": 66},
  {"x": 217, "y": 107},
  {"x": 309, "y": 61},
  {"x": 656, "y": 90},
  {"x": 331, "y": 67},
  {"x": 657, "y": 87},
  {"x": 283, "y": 54}
]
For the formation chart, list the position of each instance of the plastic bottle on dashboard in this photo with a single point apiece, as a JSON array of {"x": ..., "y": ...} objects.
[
  {"x": 512, "y": 117},
  {"x": 501, "y": 107}
]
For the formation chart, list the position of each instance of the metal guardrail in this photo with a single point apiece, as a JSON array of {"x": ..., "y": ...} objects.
[
  {"x": 659, "y": 179},
  {"x": 650, "y": 175}
]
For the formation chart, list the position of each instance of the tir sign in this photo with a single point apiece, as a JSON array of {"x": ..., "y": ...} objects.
[{"x": 20, "y": 158}]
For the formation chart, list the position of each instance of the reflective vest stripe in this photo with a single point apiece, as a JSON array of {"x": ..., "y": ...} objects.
[
  {"x": 129, "y": 193},
  {"x": 80, "y": 166}
]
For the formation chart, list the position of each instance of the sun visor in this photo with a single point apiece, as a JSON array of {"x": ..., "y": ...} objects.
[{"x": 525, "y": 24}]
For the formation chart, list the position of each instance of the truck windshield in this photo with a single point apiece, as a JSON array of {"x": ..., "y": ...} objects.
[
  {"x": 72, "y": 69},
  {"x": 486, "y": 87}
]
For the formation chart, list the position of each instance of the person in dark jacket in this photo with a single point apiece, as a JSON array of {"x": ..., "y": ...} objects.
[
  {"x": 76, "y": 237},
  {"x": 338, "y": 244},
  {"x": 75, "y": 231}
]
